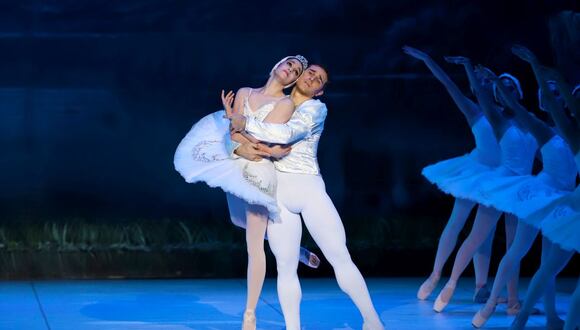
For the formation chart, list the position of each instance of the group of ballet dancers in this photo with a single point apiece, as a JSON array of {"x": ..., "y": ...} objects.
[{"x": 496, "y": 178}]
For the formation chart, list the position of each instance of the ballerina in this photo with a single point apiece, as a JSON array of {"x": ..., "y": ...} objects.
[
  {"x": 249, "y": 185},
  {"x": 528, "y": 194},
  {"x": 560, "y": 220},
  {"x": 449, "y": 174},
  {"x": 518, "y": 149}
]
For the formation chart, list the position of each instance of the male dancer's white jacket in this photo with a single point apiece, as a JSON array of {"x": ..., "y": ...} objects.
[{"x": 301, "y": 190}]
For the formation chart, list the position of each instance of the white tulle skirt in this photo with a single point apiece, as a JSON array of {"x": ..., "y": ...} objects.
[
  {"x": 560, "y": 221},
  {"x": 202, "y": 157},
  {"x": 454, "y": 176},
  {"x": 520, "y": 195}
]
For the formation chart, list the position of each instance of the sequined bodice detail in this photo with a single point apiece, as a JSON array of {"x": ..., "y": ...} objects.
[
  {"x": 518, "y": 150},
  {"x": 558, "y": 163}
]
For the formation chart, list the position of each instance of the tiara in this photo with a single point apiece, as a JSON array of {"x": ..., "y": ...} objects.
[{"x": 302, "y": 60}]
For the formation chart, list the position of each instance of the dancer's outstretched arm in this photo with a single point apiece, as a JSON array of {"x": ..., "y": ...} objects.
[
  {"x": 568, "y": 128},
  {"x": 483, "y": 94},
  {"x": 469, "y": 109},
  {"x": 542, "y": 132}
]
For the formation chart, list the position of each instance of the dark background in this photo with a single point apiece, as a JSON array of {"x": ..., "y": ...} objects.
[{"x": 96, "y": 95}]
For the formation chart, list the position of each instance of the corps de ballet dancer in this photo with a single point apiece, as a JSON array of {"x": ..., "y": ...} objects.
[
  {"x": 560, "y": 220},
  {"x": 449, "y": 176},
  {"x": 517, "y": 152},
  {"x": 525, "y": 194}
]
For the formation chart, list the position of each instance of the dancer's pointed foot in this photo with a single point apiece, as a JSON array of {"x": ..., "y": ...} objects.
[
  {"x": 308, "y": 258},
  {"x": 249, "y": 320},
  {"x": 427, "y": 287},
  {"x": 483, "y": 314},
  {"x": 481, "y": 294},
  {"x": 555, "y": 323},
  {"x": 444, "y": 297},
  {"x": 514, "y": 309}
]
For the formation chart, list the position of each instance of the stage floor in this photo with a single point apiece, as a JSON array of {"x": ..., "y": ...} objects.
[{"x": 218, "y": 304}]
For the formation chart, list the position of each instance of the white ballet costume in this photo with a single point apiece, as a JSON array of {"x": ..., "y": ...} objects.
[
  {"x": 202, "y": 156},
  {"x": 518, "y": 150},
  {"x": 522, "y": 195},
  {"x": 560, "y": 220},
  {"x": 450, "y": 175}
]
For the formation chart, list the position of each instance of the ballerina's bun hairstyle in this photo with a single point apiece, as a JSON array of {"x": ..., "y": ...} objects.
[{"x": 516, "y": 82}]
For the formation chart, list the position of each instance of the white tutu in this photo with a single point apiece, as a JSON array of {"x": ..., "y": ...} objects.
[
  {"x": 518, "y": 195},
  {"x": 560, "y": 221},
  {"x": 453, "y": 176},
  {"x": 522, "y": 195},
  {"x": 202, "y": 156},
  {"x": 517, "y": 157}
]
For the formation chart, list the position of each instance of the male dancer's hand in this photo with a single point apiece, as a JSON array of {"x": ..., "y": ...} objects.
[
  {"x": 251, "y": 151},
  {"x": 237, "y": 122},
  {"x": 276, "y": 151}
]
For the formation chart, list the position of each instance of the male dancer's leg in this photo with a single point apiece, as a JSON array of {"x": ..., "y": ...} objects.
[
  {"x": 325, "y": 227},
  {"x": 284, "y": 240}
]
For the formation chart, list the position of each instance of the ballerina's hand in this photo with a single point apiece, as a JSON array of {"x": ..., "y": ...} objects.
[
  {"x": 461, "y": 60},
  {"x": 414, "y": 52},
  {"x": 227, "y": 102},
  {"x": 275, "y": 151},
  {"x": 524, "y": 53}
]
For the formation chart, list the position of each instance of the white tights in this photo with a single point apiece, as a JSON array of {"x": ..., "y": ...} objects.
[
  {"x": 254, "y": 219},
  {"x": 448, "y": 240},
  {"x": 525, "y": 236},
  {"x": 485, "y": 222},
  {"x": 306, "y": 194}
]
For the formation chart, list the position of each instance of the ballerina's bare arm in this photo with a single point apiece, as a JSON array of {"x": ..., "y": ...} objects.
[
  {"x": 567, "y": 128},
  {"x": 234, "y": 106},
  {"x": 469, "y": 109},
  {"x": 538, "y": 128},
  {"x": 283, "y": 110},
  {"x": 484, "y": 97}
]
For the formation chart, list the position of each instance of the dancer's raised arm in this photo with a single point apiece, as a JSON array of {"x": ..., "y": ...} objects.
[
  {"x": 469, "y": 109},
  {"x": 542, "y": 132},
  {"x": 483, "y": 93},
  {"x": 568, "y": 128}
]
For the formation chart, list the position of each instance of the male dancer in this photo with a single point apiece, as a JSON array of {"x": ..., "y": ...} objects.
[{"x": 301, "y": 190}]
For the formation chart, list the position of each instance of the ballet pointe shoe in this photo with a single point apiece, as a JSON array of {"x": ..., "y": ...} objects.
[
  {"x": 483, "y": 315},
  {"x": 427, "y": 287},
  {"x": 443, "y": 298},
  {"x": 249, "y": 320},
  {"x": 308, "y": 258}
]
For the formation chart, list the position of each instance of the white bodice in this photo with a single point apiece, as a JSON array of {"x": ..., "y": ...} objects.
[
  {"x": 558, "y": 163},
  {"x": 518, "y": 150},
  {"x": 486, "y": 146}
]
